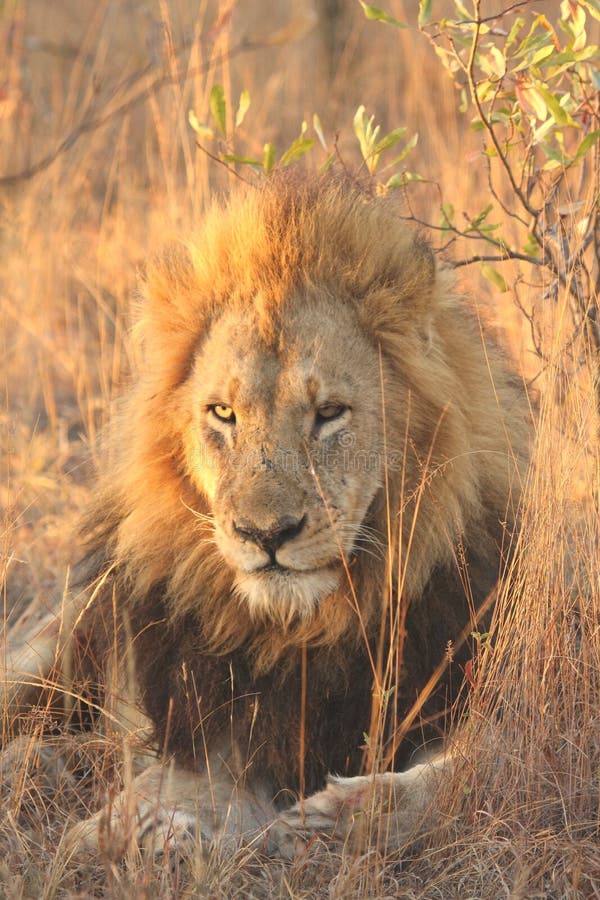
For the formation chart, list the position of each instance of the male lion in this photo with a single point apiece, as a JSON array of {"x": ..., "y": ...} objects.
[{"x": 305, "y": 507}]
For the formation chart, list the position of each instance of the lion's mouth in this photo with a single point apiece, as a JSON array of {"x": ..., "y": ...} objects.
[
  {"x": 281, "y": 593},
  {"x": 272, "y": 567},
  {"x": 275, "y": 568}
]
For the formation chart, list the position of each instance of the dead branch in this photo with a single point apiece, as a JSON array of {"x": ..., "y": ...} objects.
[{"x": 103, "y": 113}]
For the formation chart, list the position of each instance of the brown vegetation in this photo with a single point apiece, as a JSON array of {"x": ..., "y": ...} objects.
[{"x": 105, "y": 86}]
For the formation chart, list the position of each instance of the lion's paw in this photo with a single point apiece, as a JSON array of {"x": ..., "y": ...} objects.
[
  {"x": 387, "y": 809},
  {"x": 280, "y": 839},
  {"x": 153, "y": 830},
  {"x": 331, "y": 811},
  {"x": 130, "y": 821}
]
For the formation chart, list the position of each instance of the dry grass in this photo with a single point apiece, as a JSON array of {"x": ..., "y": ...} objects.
[{"x": 71, "y": 240}]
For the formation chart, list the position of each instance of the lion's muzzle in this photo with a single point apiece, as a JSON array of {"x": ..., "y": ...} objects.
[{"x": 270, "y": 539}]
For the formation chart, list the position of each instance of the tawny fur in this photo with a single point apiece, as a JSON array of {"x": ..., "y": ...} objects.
[{"x": 288, "y": 296}]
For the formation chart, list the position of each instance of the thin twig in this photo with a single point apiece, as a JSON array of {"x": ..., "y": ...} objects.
[
  {"x": 221, "y": 162},
  {"x": 96, "y": 118},
  {"x": 469, "y": 70},
  {"x": 520, "y": 4},
  {"x": 510, "y": 254}
]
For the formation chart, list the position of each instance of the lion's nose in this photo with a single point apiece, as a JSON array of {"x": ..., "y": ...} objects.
[{"x": 271, "y": 539}]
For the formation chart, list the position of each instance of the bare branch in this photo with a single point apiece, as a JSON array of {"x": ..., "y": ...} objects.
[
  {"x": 222, "y": 162},
  {"x": 97, "y": 116},
  {"x": 510, "y": 254},
  {"x": 493, "y": 17},
  {"x": 470, "y": 73},
  {"x": 534, "y": 330},
  {"x": 506, "y": 209}
]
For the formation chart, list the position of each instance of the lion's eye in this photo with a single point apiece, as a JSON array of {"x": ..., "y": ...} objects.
[
  {"x": 223, "y": 413},
  {"x": 329, "y": 411}
]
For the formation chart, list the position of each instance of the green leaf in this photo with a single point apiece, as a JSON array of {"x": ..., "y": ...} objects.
[
  {"x": 448, "y": 58},
  {"x": 593, "y": 6},
  {"x": 559, "y": 61},
  {"x": 574, "y": 22},
  {"x": 535, "y": 40},
  {"x": 493, "y": 63},
  {"x": 373, "y": 12},
  {"x": 242, "y": 109},
  {"x": 244, "y": 160},
  {"x": 325, "y": 167},
  {"x": 410, "y": 145},
  {"x": 367, "y": 135},
  {"x": 486, "y": 90},
  {"x": 464, "y": 13},
  {"x": 296, "y": 150},
  {"x": 358, "y": 123},
  {"x": 425, "y": 7},
  {"x": 479, "y": 219},
  {"x": 530, "y": 99},
  {"x": 203, "y": 130},
  {"x": 561, "y": 116},
  {"x": 495, "y": 277},
  {"x": 514, "y": 31},
  {"x": 396, "y": 181},
  {"x": 447, "y": 211},
  {"x": 268, "y": 159},
  {"x": 218, "y": 108},
  {"x": 586, "y": 144},
  {"x": 531, "y": 248},
  {"x": 389, "y": 140},
  {"x": 319, "y": 131},
  {"x": 361, "y": 124},
  {"x": 555, "y": 157},
  {"x": 401, "y": 179},
  {"x": 549, "y": 126},
  {"x": 541, "y": 54}
]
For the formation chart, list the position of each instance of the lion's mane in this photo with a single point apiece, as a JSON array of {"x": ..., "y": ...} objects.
[{"x": 453, "y": 419}]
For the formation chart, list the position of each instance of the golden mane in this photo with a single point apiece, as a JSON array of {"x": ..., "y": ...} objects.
[{"x": 450, "y": 408}]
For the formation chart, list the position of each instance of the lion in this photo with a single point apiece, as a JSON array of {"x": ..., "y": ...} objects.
[{"x": 309, "y": 496}]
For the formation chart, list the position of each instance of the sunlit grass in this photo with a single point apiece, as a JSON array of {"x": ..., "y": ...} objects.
[{"x": 71, "y": 241}]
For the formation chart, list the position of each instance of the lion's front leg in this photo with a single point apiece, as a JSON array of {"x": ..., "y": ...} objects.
[
  {"x": 152, "y": 813},
  {"x": 388, "y": 809},
  {"x": 167, "y": 809}
]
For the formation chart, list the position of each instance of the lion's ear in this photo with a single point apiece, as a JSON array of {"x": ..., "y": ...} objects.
[
  {"x": 167, "y": 315},
  {"x": 417, "y": 274},
  {"x": 402, "y": 298},
  {"x": 425, "y": 296},
  {"x": 425, "y": 263}
]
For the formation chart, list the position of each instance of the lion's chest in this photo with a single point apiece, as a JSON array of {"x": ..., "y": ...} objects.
[{"x": 291, "y": 726}]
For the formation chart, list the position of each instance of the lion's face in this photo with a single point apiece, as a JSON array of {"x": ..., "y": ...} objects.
[
  {"x": 285, "y": 441},
  {"x": 315, "y": 428}
]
